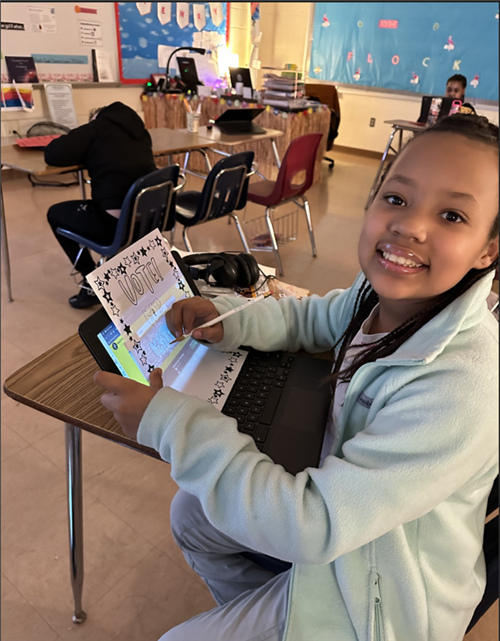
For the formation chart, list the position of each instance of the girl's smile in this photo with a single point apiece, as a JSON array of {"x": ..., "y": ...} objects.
[{"x": 429, "y": 223}]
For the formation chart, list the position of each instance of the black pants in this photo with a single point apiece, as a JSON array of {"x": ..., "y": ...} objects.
[{"x": 83, "y": 217}]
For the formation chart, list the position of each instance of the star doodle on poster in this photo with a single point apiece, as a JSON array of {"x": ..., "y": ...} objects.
[
  {"x": 107, "y": 296},
  {"x": 152, "y": 244},
  {"x": 107, "y": 277},
  {"x": 175, "y": 272},
  {"x": 143, "y": 251},
  {"x": 181, "y": 286},
  {"x": 212, "y": 401},
  {"x": 136, "y": 345},
  {"x": 122, "y": 269},
  {"x": 164, "y": 253},
  {"x": 237, "y": 354},
  {"x": 233, "y": 360},
  {"x": 144, "y": 359},
  {"x": 218, "y": 393},
  {"x": 136, "y": 258},
  {"x": 113, "y": 272},
  {"x": 127, "y": 330},
  {"x": 220, "y": 385},
  {"x": 115, "y": 310},
  {"x": 150, "y": 368},
  {"x": 229, "y": 369},
  {"x": 225, "y": 378},
  {"x": 100, "y": 283},
  {"x": 127, "y": 261},
  {"x": 159, "y": 241}
]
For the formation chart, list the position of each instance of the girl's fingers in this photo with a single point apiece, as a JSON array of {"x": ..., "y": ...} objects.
[
  {"x": 155, "y": 379},
  {"x": 212, "y": 334}
]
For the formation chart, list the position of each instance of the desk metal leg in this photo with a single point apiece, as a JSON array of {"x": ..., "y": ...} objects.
[
  {"x": 73, "y": 436},
  {"x": 380, "y": 169},
  {"x": 276, "y": 154},
  {"x": 82, "y": 184},
  {"x": 5, "y": 252}
]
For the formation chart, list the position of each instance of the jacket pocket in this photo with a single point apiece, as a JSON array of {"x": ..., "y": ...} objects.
[{"x": 377, "y": 628}]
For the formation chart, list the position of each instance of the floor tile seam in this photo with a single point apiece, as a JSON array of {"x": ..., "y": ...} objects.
[
  {"x": 15, "y": 453},
  {"x": 30, "y": 604}
]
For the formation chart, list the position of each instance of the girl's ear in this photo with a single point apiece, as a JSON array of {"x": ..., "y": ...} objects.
[{"x": 489, "y": 254}]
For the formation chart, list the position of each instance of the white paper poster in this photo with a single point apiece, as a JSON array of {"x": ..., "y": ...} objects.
[
  {"x": 42, "y": 19},
  {"x": 216, "y": 12},
  {"x": 136, "y": 288},
  {"x": 182, "y": 14},
  {"x": 104, "y": 69},
  {"x": 200, "y": 18},
  {"x": 164, "y": 12},
  {"x": 91, "y": 34},
  {"x": 143, "y": 7},
  {"x": 61, "y": 107}
]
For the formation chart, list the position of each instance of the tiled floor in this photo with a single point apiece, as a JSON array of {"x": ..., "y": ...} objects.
[{"x": 137, "y": 584}]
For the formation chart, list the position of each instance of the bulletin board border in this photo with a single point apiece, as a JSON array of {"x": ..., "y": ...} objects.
[{"x": 138, "y": 81}]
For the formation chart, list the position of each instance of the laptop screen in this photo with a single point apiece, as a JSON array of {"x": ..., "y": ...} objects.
[{"x": 240, "y": 74}]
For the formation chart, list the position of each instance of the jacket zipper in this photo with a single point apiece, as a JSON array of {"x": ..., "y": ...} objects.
[{"x": 378, "y": 612}]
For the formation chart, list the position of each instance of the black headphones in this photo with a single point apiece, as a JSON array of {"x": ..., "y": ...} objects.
[{"x": 228, "y": 270}]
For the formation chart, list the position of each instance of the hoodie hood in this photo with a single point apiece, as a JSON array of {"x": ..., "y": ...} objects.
[{"x": 124, "y": 117}]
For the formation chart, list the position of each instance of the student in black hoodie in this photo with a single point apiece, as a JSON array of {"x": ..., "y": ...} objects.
[{"x": 116, "y": 149}]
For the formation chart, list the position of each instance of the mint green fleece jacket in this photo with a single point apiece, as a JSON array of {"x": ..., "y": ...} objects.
[{"x": 386, "y": 538}]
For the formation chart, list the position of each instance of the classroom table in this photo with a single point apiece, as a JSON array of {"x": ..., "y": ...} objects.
[
  {"x": 59, "y": 383},
  {"x": 397, "y": 126},
  {"x": 166, "y": 142}
]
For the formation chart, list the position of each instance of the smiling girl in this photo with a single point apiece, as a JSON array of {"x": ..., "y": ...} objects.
[{"x": 383, "y": 541}]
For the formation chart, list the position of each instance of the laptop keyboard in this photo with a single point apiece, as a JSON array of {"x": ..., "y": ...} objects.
[{"x": 257, "y": 391}]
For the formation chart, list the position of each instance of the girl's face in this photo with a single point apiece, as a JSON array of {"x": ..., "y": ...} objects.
[{"x": 430, "y": 221}]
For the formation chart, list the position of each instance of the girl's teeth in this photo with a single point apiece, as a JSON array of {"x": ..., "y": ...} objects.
[{"x": 399, "y": 260}]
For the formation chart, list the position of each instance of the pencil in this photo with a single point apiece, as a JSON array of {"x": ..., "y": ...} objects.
[
  {"x": 187, "y": 105},
  {"x": 222, "y": 317}
]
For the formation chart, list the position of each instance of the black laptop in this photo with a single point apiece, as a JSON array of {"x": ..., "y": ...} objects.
[
  {"x": 239, "y": 121},
  {"x": 279, "y": 398},
  {"x": 240, "y": 74},
  {"x": 425, "y": 107},
  {"x": 188, "y": 72}
]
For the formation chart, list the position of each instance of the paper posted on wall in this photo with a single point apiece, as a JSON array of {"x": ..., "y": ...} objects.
[{"x": 136, "y": 288}]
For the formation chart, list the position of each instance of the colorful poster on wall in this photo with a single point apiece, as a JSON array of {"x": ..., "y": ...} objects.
[
  {"x": 140, "y": 36},
  {"x": 17, "y": 98},
  {"x": 407, "y": 46}
]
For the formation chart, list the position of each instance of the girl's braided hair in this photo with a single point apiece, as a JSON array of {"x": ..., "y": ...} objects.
[{"x": 475, "y": 128}]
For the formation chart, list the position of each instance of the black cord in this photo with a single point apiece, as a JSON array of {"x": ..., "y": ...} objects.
[
  {"x": 266, "y": 279},
  {"x": 39, "y": 183}
]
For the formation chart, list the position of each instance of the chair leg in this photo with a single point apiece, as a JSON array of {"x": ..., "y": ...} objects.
[
  {"x": 186, "y": 239},
  {"x": 273, "y": 241},
  {"x": 240, "y": 232},
  {"x": 186, "y": 159},
  {"x": 307, "y": 211}
]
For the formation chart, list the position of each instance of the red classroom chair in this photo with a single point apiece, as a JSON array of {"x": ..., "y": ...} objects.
[{"x": 300, "y": 157}]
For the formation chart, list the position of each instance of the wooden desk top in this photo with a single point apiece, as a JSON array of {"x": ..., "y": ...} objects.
[
  {"x": 165, "y": 141},
  {"x": 173, "y": 141},
  {"x": 31, "y": 161},
  {"x": 217, "y": 137},
  {"x": 405, "y": 124},
  {"x": 59, "y": 383}
]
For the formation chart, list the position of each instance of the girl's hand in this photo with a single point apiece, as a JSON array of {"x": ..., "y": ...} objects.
[
  {"x": 128, "y": 399},
  {"x": 191, "y": 312}
]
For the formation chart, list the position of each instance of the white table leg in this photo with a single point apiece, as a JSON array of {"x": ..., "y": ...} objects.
[{"x": 5, "y": 251}]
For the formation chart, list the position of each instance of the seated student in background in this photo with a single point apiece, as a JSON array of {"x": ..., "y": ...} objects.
[
  {"x": 386, "y": 534},
  {"x": 455, "y": 88},
  {"x": 116, "y": 149}
]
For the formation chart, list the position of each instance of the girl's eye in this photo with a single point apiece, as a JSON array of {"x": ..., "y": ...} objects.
[
  {"x": 395, "y": 200},
  {"x": 453, "y": 217}
]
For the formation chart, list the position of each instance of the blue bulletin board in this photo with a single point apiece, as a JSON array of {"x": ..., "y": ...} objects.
[
  {"x": 408, "y": 46},
  {"x": 143, "y": 26}
]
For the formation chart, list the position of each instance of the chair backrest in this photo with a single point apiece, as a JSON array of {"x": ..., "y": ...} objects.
[
  {"x": 149, "y": 204},
  {"x": 225, "y": 188},
  {"x": 299, "y": 157}
]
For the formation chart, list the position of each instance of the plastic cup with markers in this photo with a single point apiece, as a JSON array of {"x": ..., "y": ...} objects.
[{"x": 193, "y": 122}]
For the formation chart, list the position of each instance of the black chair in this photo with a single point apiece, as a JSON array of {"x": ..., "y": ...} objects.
[
  {"x": 224, "y": 192},
  {"x": 149, "y": 204}
]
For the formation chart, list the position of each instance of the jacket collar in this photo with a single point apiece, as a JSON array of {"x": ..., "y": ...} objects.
[{"x": 429, "y": 341}]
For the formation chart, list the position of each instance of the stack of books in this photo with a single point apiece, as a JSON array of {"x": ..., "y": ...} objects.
[{"x": 286, "y": 91}]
